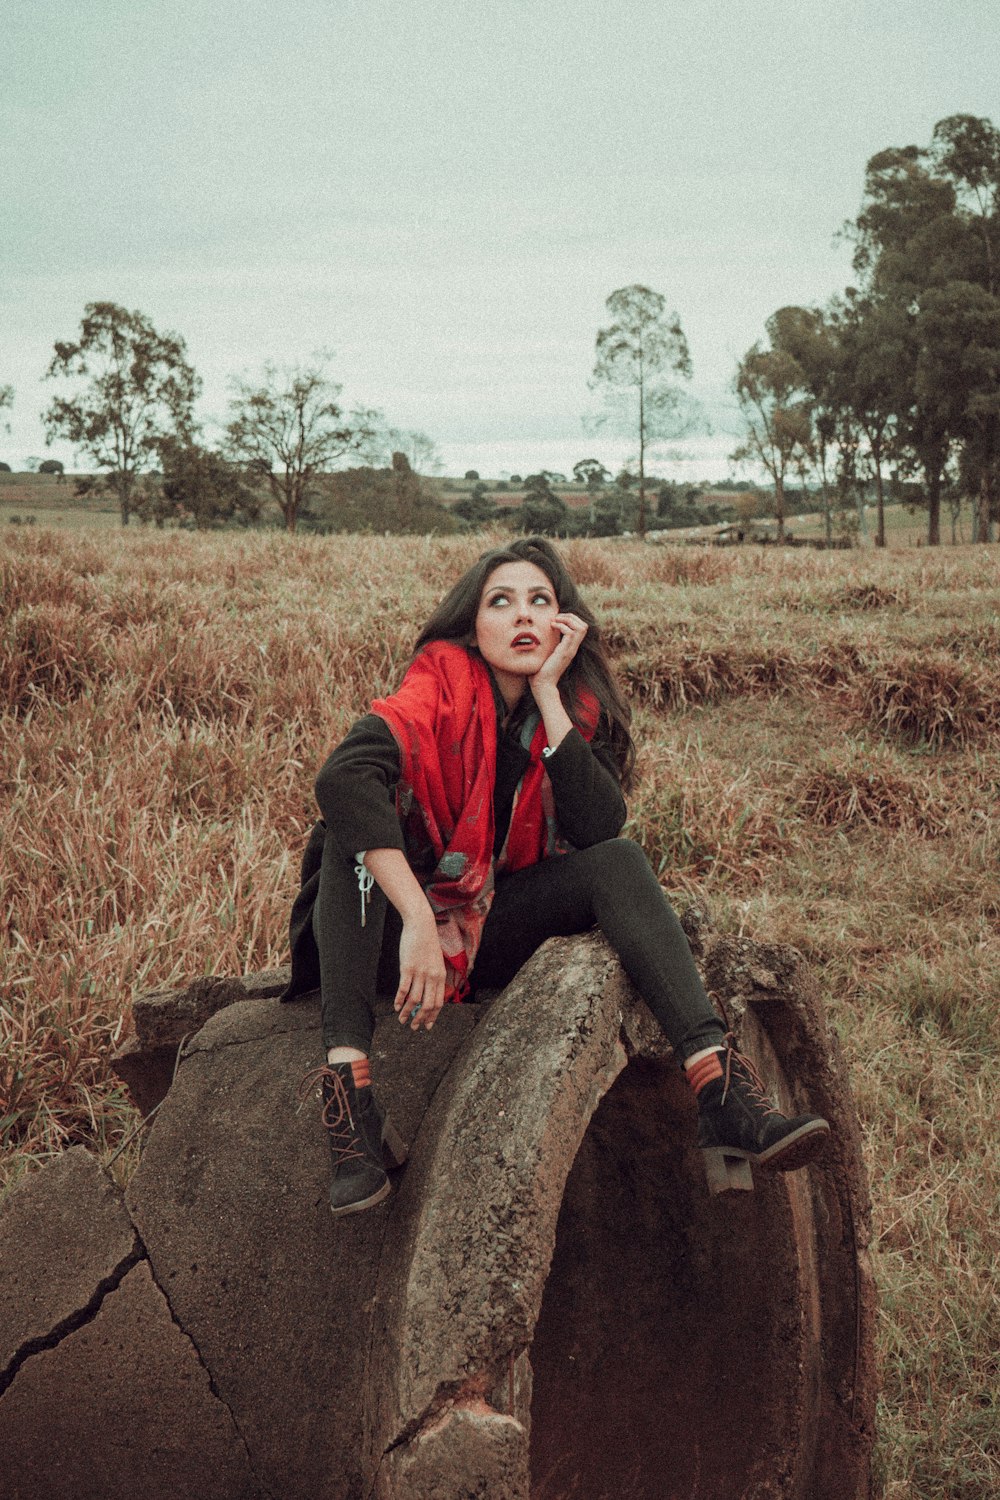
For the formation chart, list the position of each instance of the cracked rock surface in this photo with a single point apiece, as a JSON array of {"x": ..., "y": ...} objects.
[
  {"x": 64, "y": 1236},
  {"x": 231, "y": 1199},
  {"x": 121, "y": 1407}
]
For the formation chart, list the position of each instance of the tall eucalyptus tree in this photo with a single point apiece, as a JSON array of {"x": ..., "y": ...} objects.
[{"x": 637, "y": 357}]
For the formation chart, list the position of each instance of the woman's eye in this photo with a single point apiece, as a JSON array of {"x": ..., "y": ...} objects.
[
  {"x": 541, "y": 599},
  {"x": 499, "y": 599}
]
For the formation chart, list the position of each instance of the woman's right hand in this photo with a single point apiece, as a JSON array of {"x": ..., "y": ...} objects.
[{"x": 421, "y": 972}]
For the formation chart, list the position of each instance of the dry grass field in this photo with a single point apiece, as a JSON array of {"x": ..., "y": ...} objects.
[
  {"x": 48, "y": 500},
  {"x": 820, "y": 762}
]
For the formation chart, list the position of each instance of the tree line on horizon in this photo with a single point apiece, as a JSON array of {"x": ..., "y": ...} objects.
[
  {"x": 900, "y": 374},
  {"x": 895, "y": 380}
]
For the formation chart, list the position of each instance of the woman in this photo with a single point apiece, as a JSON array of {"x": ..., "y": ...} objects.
[{"x": 472, "y": 815}]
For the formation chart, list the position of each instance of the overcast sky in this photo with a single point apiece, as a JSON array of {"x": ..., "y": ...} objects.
[{"x": 444, "y": 193}]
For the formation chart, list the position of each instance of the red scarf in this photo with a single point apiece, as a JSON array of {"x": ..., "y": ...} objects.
[{"x": 444, "y": 720}]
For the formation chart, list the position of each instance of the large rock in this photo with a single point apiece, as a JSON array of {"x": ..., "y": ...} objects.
[
  {"x": 65, "y": 1241},
  {"x": 550, "y": 1303},
  {"x": 231, "y": 1202},
  {"x": 164, "y": 1020},
  {"x": 120, "y": 1407},
  {"x": 102, "y": 1396}
]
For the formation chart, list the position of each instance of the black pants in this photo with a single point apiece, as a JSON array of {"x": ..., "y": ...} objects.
[{"x": 610, "y": 886}]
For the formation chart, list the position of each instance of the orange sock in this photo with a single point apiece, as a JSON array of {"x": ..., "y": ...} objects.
[
  {"x": 361, "y": 1073},
  {"x": 705, "y": 1070}
]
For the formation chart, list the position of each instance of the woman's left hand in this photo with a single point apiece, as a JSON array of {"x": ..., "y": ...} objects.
[{"x": 571, "y": 631}]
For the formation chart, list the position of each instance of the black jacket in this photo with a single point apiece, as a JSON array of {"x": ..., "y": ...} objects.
[{"x": 356, "y": 791}]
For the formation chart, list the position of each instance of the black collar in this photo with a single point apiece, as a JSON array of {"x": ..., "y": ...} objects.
[{"x": 518, "y": 714}]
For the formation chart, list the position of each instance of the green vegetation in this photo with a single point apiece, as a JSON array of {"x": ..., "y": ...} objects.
[{"x": 903, "y": 369}]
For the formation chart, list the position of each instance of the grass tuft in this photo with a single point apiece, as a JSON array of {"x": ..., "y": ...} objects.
[
  {"x": 929, "y": 699},
  {"x": 684, "y": 674},
  {"x": 844, "y": 790},
  {"x": 870, "y": 595}
]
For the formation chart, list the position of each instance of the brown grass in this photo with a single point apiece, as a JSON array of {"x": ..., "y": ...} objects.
[
  {"x": 685, "y": 673},
  {"x": 930, "y": 699},
  {"x": 865, "y": 596},
  {"x": 168, "y": 699},
  {"x": 843, "y": 790}
]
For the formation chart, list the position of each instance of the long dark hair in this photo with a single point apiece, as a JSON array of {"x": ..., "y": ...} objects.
[{"x": 455, "y": 620}]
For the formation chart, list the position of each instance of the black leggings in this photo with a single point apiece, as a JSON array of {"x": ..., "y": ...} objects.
[{"x": 610, "y": 886}]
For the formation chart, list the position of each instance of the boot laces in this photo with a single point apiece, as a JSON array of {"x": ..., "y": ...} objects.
[
  {"x": 345, "y": 1139},
  {"x": 746, "y": 1074}
]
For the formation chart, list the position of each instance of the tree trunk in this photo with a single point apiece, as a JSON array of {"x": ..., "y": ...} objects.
[
  {"x": 293, "y": 497},
  {"x": 984, "y": 510},
  {"x": 879, "y": 499},
  {"x": 860, "y": 507},
  {"x": 779, "y": 505},
  {"x": 932, "y": 473},
  {"x": 880, "y": 502},
  {"x": 825, "y": 489},
  {"x": 642, "y": 488}
]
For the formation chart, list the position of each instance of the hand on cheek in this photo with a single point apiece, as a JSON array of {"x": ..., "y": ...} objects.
[{"x": 568, "y": 632}]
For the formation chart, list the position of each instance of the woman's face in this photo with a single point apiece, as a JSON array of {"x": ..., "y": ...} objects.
[{"x": 514, "y": 630}]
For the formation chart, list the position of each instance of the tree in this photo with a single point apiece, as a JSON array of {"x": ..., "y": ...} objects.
[
  {"x": 291, "y": 428},
  {"x": 406, "y": 491},
  {"x": 478, "y": 509},
  {"x": 768, "y": 388},
  {"x": 367, "y": 500},
  {"x": 874, "y": 337},
  {"x": 906, "y": 233},
  {"x": 53, "y": 466},
  {"x": 636, "y": 355},
  {"x": 542, "y": 511},
  {"x": 966, "y": 151},
  {"x": 6, "y": 402},
  {"x": 422, "y": 451},
  {"x": 927, "y": 247},
  {"x": 607, "y": 512},
  {"x": 958, "y": 382},
  {"x": 810, "y": 337},
  {"x": 591, "y": 472},
  {"x": 138, "y": 388},
  {"x": 472, "y": 474},
  {"x": 198, "y": 487}
]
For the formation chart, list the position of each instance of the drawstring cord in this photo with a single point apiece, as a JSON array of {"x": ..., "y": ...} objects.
[{"x": 365, "y": 882}]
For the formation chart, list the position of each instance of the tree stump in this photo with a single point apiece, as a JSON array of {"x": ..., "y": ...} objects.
[{"x": 549, "y": 1304}]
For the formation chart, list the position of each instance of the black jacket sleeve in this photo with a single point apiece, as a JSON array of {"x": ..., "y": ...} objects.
[
  {"x": 589, "y": 803},
  {"x": 356, "y": 788}
]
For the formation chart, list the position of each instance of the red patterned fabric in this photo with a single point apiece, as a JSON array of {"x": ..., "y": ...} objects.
[{"x": 444, "y": 720}]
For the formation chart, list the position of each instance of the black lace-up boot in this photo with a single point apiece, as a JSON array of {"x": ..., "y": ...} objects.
[
  {"x": 361, "y": 1145},
  {"x": 738, "y": 1124}
]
